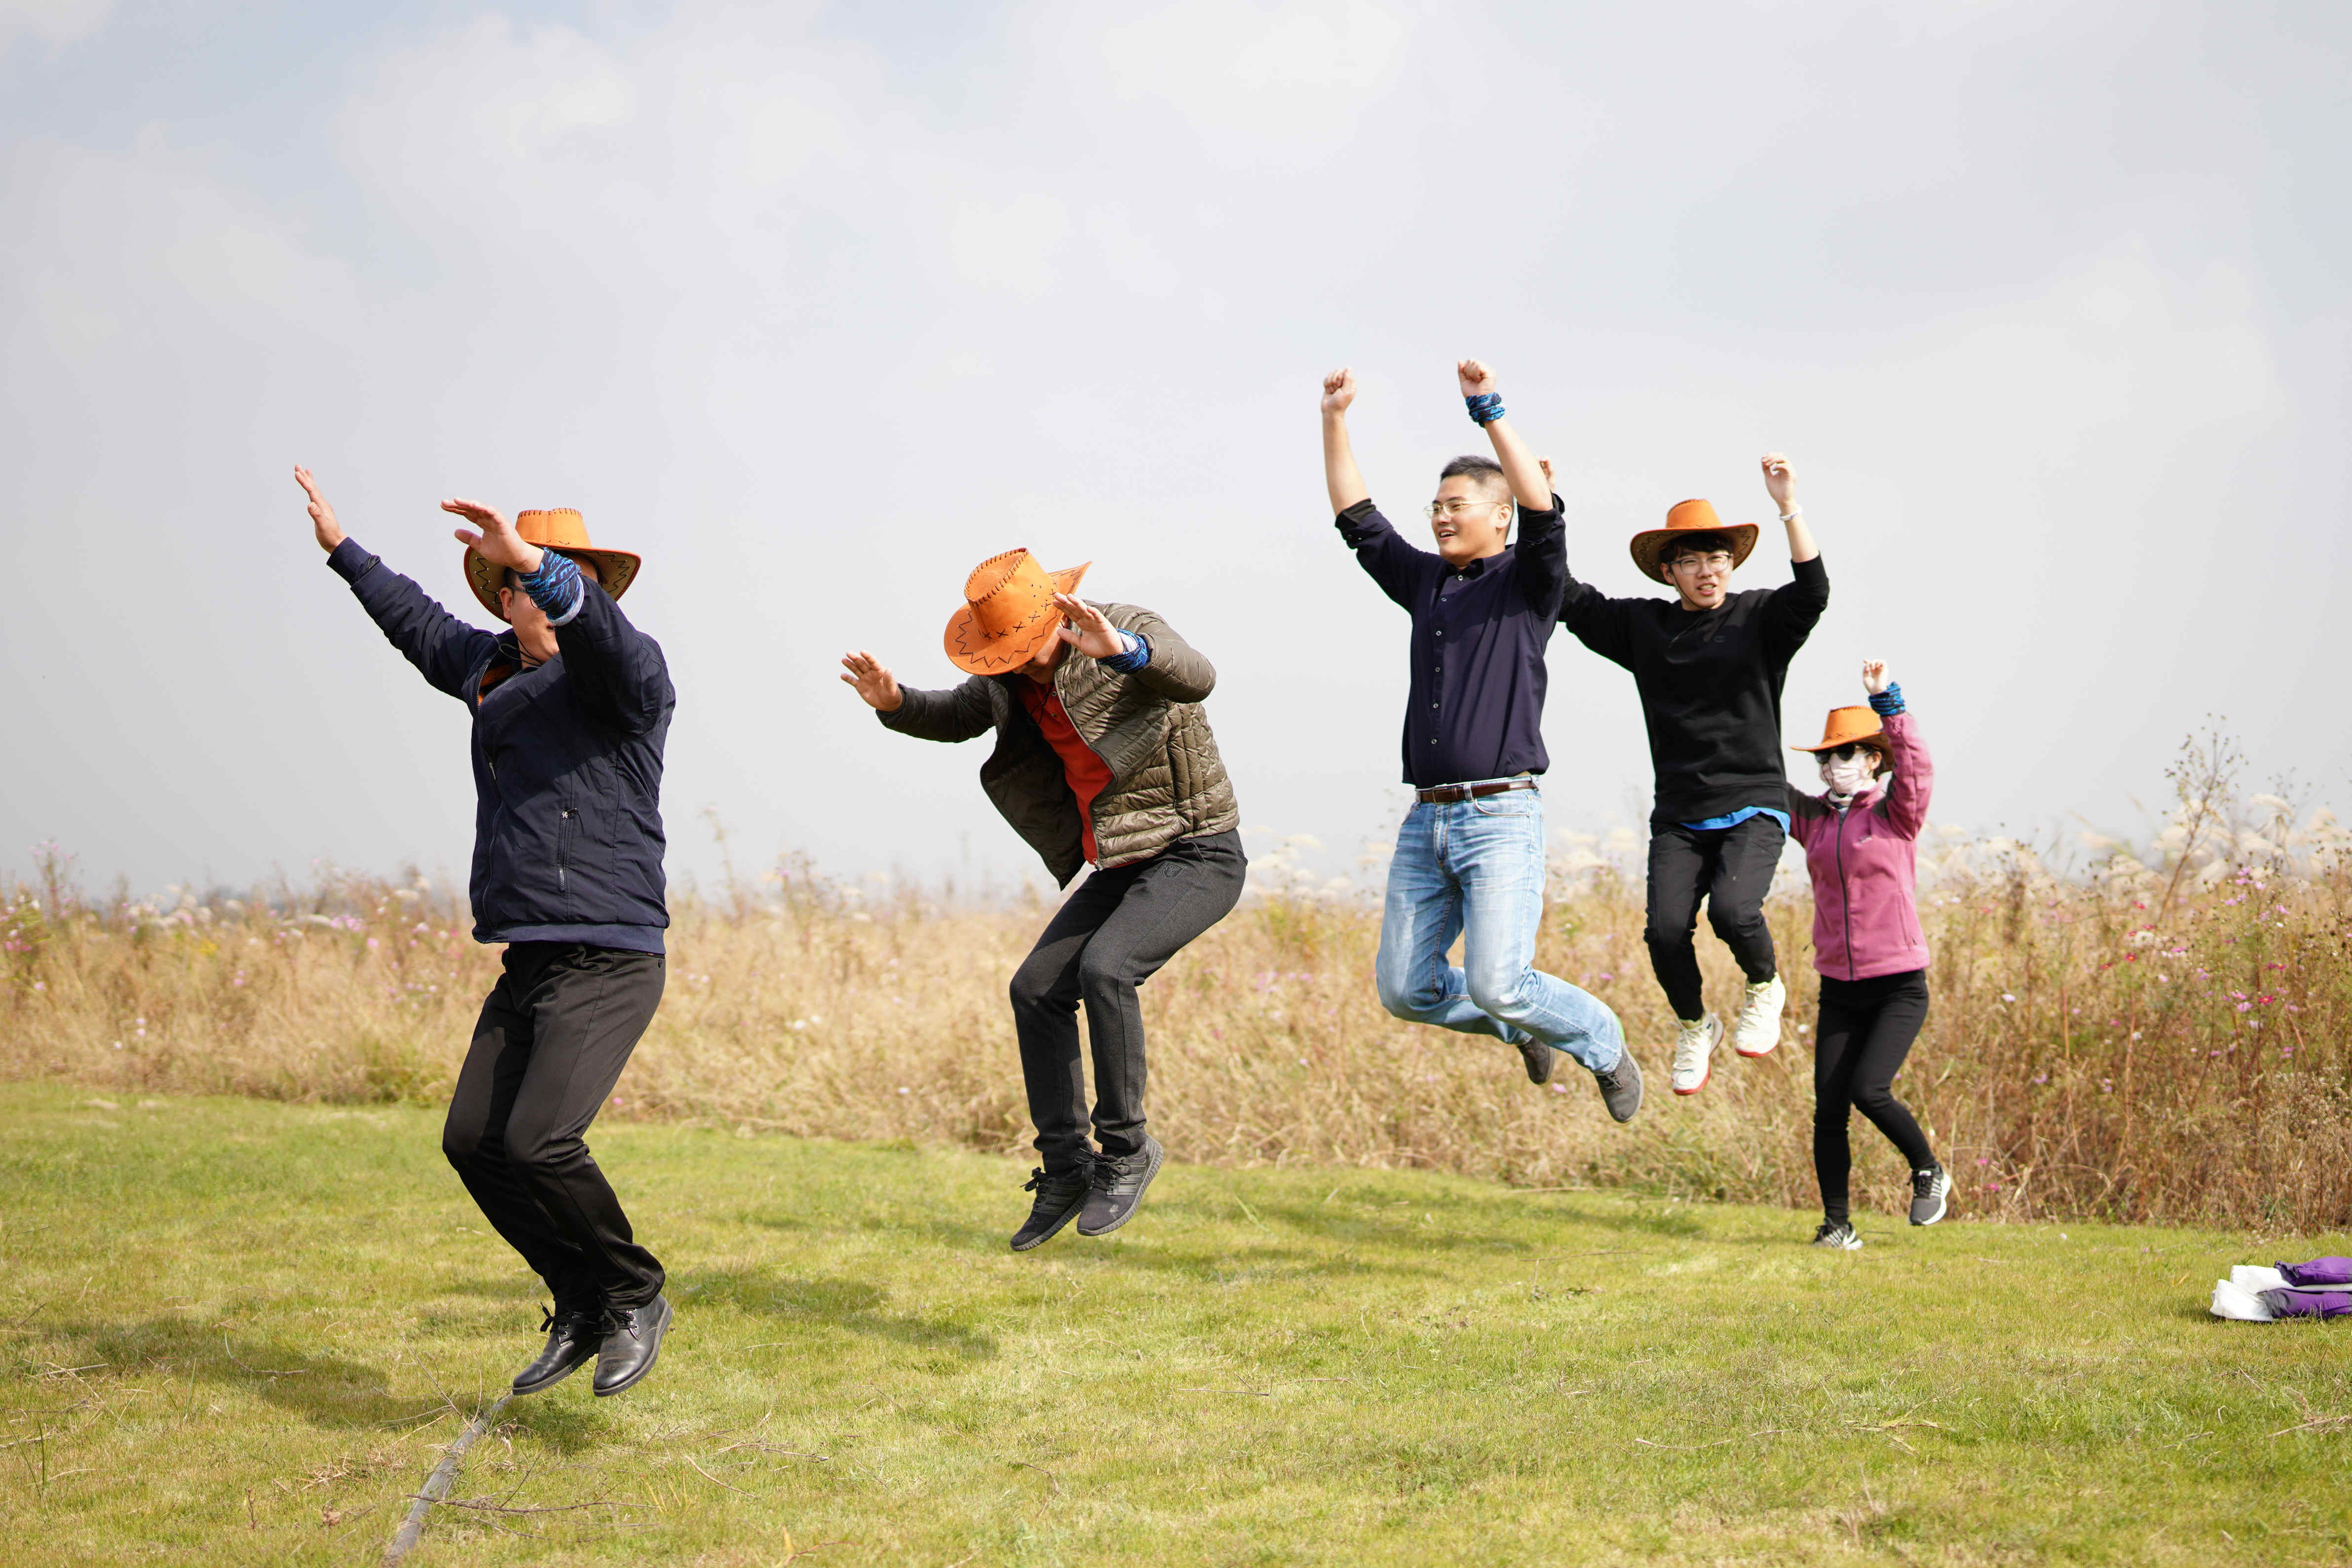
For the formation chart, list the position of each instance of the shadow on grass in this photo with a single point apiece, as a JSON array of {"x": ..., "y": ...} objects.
[
  {"x": 327, "y": 1391},
  {"x": 842, "y": 1303}
]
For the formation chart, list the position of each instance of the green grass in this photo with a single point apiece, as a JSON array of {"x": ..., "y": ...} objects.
[{"x": 238, "y": 1332}]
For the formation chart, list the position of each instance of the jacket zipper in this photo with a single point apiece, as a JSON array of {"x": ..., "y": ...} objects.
[{"x": 1846, "y": 894}]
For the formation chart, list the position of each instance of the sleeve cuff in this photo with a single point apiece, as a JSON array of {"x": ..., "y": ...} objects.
[
  {"x": 1889, "y": 702},
  {"x": 1136, "y": 654},
  {"x": 556, "y": 587},
  {"x": 349, "y": 561}
]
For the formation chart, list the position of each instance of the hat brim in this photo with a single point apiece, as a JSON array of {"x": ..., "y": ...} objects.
[
  {"x": 614, "y": 569},
  {"x": 1650, "y": 545},
  {"x": 1875, "y": 739},
  {"x": 973, "y": 651}
]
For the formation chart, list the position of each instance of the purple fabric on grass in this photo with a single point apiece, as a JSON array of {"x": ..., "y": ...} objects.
[
  {"x": 2308, "y": 1303},
  {"x": 2319, "y": 1273}
]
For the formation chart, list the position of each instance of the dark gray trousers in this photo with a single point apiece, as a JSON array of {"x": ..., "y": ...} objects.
[
  {"x": 554, "y": 1033},
  {"x": 1108, "y": 937}
]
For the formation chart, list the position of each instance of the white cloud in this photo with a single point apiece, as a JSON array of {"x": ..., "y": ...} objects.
[{"x": 1010, "y": 245}]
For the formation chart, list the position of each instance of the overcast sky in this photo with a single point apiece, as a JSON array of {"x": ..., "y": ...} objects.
[{"x": 816, "y": 306}]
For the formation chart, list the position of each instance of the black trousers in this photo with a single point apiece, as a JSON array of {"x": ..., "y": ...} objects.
[
  {"x": 1865, "y": 1030},
  {"x": 1731, "y": 868},
  {"x": 1111, "y": 936},
  {"x": 554, "y": 1033}
]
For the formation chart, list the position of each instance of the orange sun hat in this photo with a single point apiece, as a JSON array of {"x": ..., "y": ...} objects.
[
  {"x": 560, "y": 528},
  {"x": 1008, "y": 612},
  {"x": 1686, "y": 518},
  {"x": 1852, "y": 727}
]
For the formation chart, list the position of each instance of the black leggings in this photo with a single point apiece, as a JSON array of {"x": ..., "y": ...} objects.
[
  {"x": 1865, "y": 1030},
  {"x": 1731, "y": 868}
]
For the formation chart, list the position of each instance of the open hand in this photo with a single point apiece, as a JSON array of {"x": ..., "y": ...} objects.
[
  {"x": 1476, "y": 378},
  {"x": 1779, "y": 482},
  {"x": 498, "y": 542},
  {"x": 1873, "y": 675},
  {"x": 872, "y": 679},
  {"x": 1338, "y": 391},
  {"x": 322, "y": 515},
  {"x": 1085, "y": 628}
]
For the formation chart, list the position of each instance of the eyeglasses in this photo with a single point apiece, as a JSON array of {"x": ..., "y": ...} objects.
[
  {"x": 1455, "y": 507},
  {"x": 1844, "y": 753},
  {"x": 1719, "y": 561}
]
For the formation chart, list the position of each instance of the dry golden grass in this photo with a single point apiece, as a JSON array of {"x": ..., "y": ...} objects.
[{"x": 2142, "y": 1041}]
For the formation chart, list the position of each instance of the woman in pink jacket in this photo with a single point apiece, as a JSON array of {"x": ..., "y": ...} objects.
[{"x": 1860, "y": 841}]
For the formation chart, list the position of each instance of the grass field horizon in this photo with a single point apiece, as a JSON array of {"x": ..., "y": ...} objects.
[{"x": 242, "y": 1331}]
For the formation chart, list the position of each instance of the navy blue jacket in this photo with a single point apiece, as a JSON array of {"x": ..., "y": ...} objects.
[
  {"x": 1478, "y": 635},
  {"x": 567, "y": 762}
]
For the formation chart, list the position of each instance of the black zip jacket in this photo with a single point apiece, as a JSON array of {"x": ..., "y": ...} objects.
[
  {"x": 567, "y": 761},
  {"x": 1710, "y": 685}
]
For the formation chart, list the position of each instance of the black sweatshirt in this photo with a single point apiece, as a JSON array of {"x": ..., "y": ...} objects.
[{"x": 1710, "y": 685}]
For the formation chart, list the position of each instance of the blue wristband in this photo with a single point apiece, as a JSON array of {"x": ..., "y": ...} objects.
[
  {"x": 1485, "y": 408},
  {"x": 1886, "y": 704}
]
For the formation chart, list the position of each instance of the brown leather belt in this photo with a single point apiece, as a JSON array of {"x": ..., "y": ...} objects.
[{"x": 1446, "y": 794}]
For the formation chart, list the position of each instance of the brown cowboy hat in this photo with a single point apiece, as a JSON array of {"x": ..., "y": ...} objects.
[
  {"x": 559, "y": 528},
  {"x": 1686, "y": 517},
  {"x": 1852, "y": 727},
  {"x": 1008, "y": 612}
]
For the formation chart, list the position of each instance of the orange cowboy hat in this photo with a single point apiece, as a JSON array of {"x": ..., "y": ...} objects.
[
  {"x": 1852, "y": 727},
  {"x": 562, "y": 529},
  {"x": 1008, "y": 612},
  {"x": 1685, "y": 518}
]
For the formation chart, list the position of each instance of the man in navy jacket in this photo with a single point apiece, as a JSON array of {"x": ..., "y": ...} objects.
[{"x": 569, "y": 709}]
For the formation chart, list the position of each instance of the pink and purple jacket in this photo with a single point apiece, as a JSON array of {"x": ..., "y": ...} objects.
[{"x": 1864, "y": 865}]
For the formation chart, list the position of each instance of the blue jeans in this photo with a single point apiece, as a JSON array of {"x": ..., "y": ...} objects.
[{"x": 1474, "y": 868}]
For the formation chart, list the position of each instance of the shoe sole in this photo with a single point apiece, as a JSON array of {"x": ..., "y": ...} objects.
[
  {"x": 1752, "y": 1056},
  {"x": 638, "y": 1376},
  {"x": 1700, "y": 1084},
  {"x": 1855, "y": 1245},
  {"x": 1070, "y": 1215},
  {"x": 1943, "y": 1206},
  {"x": 1159, "y": 1156},
  {"x": 547, "y": 1383}
]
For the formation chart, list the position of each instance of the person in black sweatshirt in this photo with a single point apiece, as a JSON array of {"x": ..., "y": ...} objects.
[{"x": 1709, "y": 664}]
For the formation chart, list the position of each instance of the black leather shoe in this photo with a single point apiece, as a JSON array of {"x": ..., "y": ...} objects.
[
  {"x": 572, "y": 1337},
  {"x": 1060, "y": 1193},
  {"x": 1118, "y": 1186},
  {"x": 1539, "y": 1057},
  {"x": 632, "y": 1344}
]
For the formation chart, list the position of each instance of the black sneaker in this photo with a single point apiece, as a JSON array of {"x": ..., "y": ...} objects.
[
  {"x": 1837, "y": 1235},
  {"x": 573, "y": 1336},
  {"x": 1621, "y": 1086},
  {"x": 1060, "y": 1194},
  {"x": 1118, "y": 1186},
  {"x": 1929, "y": 1189},
  {"x": 1539, "y": 1057}
]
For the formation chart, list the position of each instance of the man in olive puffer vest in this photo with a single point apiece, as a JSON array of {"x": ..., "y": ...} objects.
[{"x": 1103, "y": 760}]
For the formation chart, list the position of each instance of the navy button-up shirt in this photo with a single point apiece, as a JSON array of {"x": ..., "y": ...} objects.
[{"x": 1478, "y": 639}]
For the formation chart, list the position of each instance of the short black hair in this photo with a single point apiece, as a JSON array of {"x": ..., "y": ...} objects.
[
  {"x": 1470, "y": 466},
  {"x": 1699, "y": 543}
]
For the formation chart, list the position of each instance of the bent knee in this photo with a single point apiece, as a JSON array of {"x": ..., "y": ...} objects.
[
  {"x": 1498, "y": 993},
  {"x": 1406, "y": 1001}
]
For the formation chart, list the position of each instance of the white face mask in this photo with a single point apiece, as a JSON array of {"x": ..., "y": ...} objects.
[{"x": 1847, "y": 775}]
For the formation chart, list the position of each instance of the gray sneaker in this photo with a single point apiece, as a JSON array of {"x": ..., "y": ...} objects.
[
  {"x": 1930, "y": 1189},
  {"x": 1059, "y": 1194},
  {"x": 1621, "y": 1086},
  {"x": 1539, "y": 1057},
  {"x": 1119, "y": 1187},
  {"x": 1838, "y": 1235}
]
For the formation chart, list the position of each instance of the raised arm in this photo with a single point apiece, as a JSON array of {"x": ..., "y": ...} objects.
[
  {"x": 1781, "y": 486},
  {"x": 441, "y": 646},
  {"x": 1905, "y": 807},
  {"x": 1341, "y": 477},
  {"x": 1796, "y": 606},
  {"x": 1530, "y": 479},
  {"x": 1148, "y": 649}
]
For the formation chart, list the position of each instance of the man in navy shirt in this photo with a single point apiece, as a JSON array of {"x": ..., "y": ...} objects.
[{"x": 1469, "y": 860}]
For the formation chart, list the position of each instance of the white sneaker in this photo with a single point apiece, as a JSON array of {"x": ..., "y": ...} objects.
[
  {"x": 1692, "y": 1048},
  {"x": 1759, "y": 1029}
]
